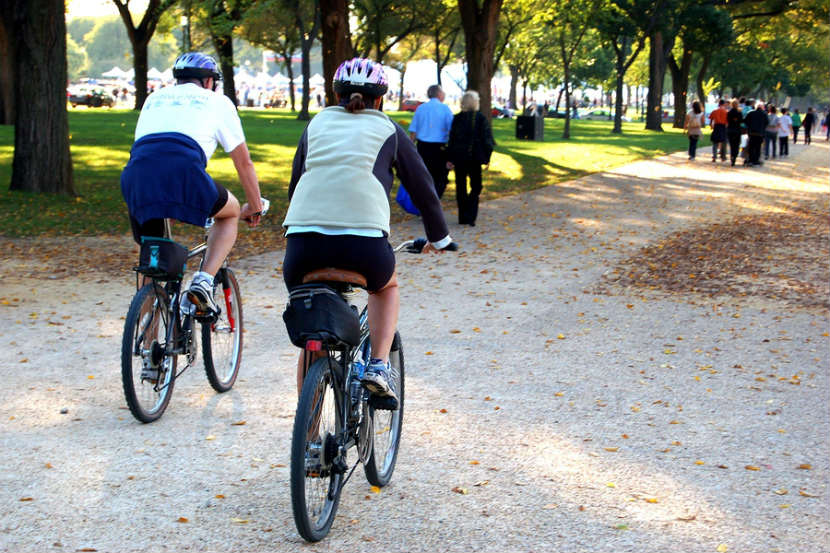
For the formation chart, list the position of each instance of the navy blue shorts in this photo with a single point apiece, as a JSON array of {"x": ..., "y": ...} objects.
[
  {"x": 307, "y": 251},
  {"x": 155, "y": 227}
]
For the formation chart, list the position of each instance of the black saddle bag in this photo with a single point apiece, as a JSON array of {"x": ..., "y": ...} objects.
[
  {"x": 161, "y": 258},
  {"x": 317, "y": 312}
]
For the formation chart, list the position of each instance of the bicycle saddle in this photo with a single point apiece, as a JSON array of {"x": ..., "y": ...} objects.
[{"x": 333, "y": 274}]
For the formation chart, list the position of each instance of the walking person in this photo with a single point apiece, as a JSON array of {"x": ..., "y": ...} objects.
[
  {"x": 734, "y": 118},
  {"x": 470, "y": 146},
  {"x": 771, "y": 132},
  {"x": 785, "y": 127},
  {"x": 796, "y": 118},
  {"x": 693, "y": 127},
  {"x": 717, "y": 121},
  {"x": 756, "y": 125},
  {"x": 809, "y": 121},
  {"x": 430, "y": 129},
  {"x": 827, "y": 126}
]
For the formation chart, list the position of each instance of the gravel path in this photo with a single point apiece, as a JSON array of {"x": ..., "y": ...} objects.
[{"x": 573, "y": 416}]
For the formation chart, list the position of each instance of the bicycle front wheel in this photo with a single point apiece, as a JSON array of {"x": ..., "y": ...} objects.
[
  {"x": 386, "y": 425},
  {"x": 147, "y": 370},
  {"x": 315, "y": 484},
  {"x": 222, "y": 338}
]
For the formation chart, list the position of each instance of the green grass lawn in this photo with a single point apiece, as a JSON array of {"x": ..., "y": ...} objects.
[{"x": 101, "y": 141}]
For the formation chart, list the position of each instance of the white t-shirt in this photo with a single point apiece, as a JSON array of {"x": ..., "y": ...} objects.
[
  {"x": 206, "y": 116},
  {"x": 786, "y": 125}
]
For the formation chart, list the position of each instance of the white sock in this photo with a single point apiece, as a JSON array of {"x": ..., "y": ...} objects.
[{"x": 201, "y": 275}]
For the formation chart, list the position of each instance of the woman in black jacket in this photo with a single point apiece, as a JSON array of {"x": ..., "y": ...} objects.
[{"x": 471, "y": 143}]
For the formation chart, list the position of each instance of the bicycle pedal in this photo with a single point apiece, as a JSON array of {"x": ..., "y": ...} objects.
[{"x": 383, "y": 403}]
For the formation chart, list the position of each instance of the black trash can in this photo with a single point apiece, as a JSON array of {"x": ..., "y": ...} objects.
[{"x": 530, "y": 127}]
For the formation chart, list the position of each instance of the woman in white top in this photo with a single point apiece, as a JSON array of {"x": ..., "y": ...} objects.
[{"x": 785, "y": 129}]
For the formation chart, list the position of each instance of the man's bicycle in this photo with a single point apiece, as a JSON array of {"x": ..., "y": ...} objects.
[
  {"x": 334, "y": 412},
  {"x": 160, "y": 326}
]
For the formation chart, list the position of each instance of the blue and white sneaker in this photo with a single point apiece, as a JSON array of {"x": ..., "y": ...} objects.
[{"x": 376, "y": 379}]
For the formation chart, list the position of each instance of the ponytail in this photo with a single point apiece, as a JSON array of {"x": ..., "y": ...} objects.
[{"x": 356, "y": 103}]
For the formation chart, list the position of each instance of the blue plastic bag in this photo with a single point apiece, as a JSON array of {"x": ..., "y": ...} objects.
[{"x": 405, "y": 201}]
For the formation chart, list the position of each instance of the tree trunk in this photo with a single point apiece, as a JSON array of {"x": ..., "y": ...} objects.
[
  {"x": 140, "y": 67},
  {"x": 566, "y": 132},
  {"x": 290, "y": 70},
  {"x": 514, "y": 81},
  {"x": 480, "y": 28},
  {"x": 656, "y": 75},
  {"x": 400, "y": 88},
  {"x": 42, "y": 161},
  {"x": 306, "y": 65},
  {"x": 704, "y": 66},
  {"x": 8, "y": 57},
  {"x": 337, "y": 43},
  {"x": 559, "y": 99},
  {"x": 437, "y": 51},
  {"x": 224, "y": 47},
  {"x": 680, "y": 85},
  {"x": 619, "y": 103}
]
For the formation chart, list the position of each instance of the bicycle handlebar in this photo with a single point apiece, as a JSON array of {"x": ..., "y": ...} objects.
[{"x": 417, "y": 246}]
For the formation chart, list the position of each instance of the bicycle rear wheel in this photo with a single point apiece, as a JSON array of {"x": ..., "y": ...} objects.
[
  {"x": 147, "y": 371},
  {"x": 315, "y": 485},
  {"x": 386, "y": 425},
  {"x": 222, "y": 338}
]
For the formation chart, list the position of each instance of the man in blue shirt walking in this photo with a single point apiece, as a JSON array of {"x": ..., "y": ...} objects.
[{"x": 430, "y": 128}]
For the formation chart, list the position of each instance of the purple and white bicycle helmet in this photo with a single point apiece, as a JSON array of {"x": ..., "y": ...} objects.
[
  {"x": 195, "y": 65},
  {"x": 360, "y": 75}
]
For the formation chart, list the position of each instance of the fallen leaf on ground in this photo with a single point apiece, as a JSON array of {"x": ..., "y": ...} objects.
[
  {"x": 182, "y": 519},
  {"x": 458, "y": 489}
]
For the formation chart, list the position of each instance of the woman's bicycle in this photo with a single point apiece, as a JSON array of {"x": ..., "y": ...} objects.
[
  {"x": 160, "y": 326},
  {"x": 334, "y": 412}
]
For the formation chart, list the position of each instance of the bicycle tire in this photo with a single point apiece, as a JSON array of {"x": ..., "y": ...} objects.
[
  {"x": 222, "y": 338},
  {"x": 386, "y": 425},
  {"x": 315, "y": 488},
  {"x": 148, "y": 317}
]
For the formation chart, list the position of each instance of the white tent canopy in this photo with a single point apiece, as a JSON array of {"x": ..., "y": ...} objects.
[
  {"x": 154, "y": 74},
  {"x": 115, "y": 73},
  {"x": 317, "y": 80}
]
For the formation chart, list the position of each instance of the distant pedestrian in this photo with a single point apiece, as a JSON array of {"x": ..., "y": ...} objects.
[
  {"x": 808, "y": 123},
  {"x": 796, "y": 117},
  {"x": 693, "y": 126},
  {"x": 470, "y": 146},
  {"x": 734, "y": 119},
  {"x": 430, "y": 128},
  {"x": 827, "y": 126},
  {"x": 771, "y": 133},
  {"x": 785, "y": 128},
  {"x": 717, "y": 120},
  {"x": 756, "y": 125}
]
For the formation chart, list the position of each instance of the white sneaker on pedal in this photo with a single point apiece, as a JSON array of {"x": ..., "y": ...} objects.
[
  {"x": 376, "y": 379},
  {"x": 200, "y": 294}
]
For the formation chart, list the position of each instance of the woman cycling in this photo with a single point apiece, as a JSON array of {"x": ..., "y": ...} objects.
[{"x": 338, "y": 214}]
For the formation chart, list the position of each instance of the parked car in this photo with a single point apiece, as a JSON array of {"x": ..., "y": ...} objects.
[
  {"x": 557, "y": 114},
  {"x": 410, "y": 105},
  {"x": 89, "y": 96},
  {"x": 501, "y": 112}
]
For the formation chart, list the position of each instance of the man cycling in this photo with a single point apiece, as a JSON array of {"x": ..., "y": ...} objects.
[
  {"x": 176, "y": 134},
  {"x": 339, "y": 210}
]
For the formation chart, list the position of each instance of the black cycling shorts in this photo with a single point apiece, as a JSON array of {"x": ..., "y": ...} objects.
[
  {"x": 307, "y": 251},
  {"x": 155, "y": 227}
]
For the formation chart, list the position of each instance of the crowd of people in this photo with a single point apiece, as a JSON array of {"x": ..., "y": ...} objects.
[{"x": 748, "y": 126}]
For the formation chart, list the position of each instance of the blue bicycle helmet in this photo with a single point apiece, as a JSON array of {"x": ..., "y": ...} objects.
[
  {"x": 360, "y": 75},
  {"x": 195, "y": 65}
]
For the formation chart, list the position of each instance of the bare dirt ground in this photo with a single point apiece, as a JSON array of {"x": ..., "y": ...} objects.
[{"x": 631, "y": 361}]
